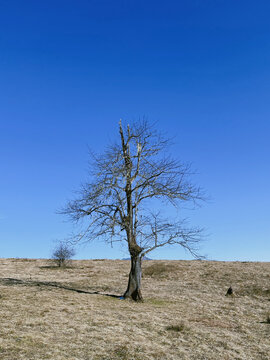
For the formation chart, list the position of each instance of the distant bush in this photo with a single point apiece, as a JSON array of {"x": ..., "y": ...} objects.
[
  {"x": 176, "y": 328},
  {"x": 62, "y": 254}
]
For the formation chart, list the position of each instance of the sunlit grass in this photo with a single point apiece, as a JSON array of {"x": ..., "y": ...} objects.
[{"x": 185, "y": 315}]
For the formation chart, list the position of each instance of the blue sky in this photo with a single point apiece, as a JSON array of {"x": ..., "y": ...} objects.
[{"x": 69, "y": 70}]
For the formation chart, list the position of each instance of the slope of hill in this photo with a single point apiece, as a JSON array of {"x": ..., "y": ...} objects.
[{"x": 74, "y": 313}]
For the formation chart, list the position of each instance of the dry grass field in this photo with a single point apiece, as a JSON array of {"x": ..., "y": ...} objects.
[{"x": 185, "y": 315}]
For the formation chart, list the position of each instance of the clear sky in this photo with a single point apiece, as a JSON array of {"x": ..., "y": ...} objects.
[{"x": 69, "y": 70}]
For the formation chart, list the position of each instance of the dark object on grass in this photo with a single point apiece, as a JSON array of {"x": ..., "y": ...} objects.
[
  {"x": 176, "y": 328},
  {"x": 229, "y": 292}
]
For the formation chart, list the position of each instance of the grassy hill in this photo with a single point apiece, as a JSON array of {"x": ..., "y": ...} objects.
[{"x": 52, "y": 313}]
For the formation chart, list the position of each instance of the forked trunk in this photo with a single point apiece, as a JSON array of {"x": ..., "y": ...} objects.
[{"x": 134, "y": 283}]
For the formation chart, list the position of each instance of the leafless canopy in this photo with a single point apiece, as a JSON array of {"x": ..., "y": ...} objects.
[
  {"x": 62, "y": 254},
  {"x": 131, "y": 182}
]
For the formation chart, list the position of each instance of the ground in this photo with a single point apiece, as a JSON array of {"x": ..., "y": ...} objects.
[{"x": 185, "y": 315}]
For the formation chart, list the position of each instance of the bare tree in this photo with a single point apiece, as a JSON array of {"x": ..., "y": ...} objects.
[
  {"x": 133, "y": 177},
  {"x": 62, "y": 254}
]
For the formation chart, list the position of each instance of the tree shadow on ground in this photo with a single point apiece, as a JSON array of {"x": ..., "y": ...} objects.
[
  {"x": 14, "y": 282},
  {"x": 56, "y": 267}
]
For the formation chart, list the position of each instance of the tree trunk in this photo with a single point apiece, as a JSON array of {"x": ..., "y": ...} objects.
[{"x": 134, "y": 283}]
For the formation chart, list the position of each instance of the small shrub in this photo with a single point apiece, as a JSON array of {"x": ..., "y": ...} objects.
[
  {"x": 176, "y": 328},
  {"x": 62, "y": 254}
]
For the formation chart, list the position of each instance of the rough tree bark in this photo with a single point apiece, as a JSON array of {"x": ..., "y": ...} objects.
[
  {"x": 135, "y": 275},
  {"x": 134, "y": 284}
]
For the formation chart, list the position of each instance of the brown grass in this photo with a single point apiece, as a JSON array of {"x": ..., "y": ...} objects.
[
  {"x": 160, "y": 270},
  {"x": 185, "y": 315}
]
